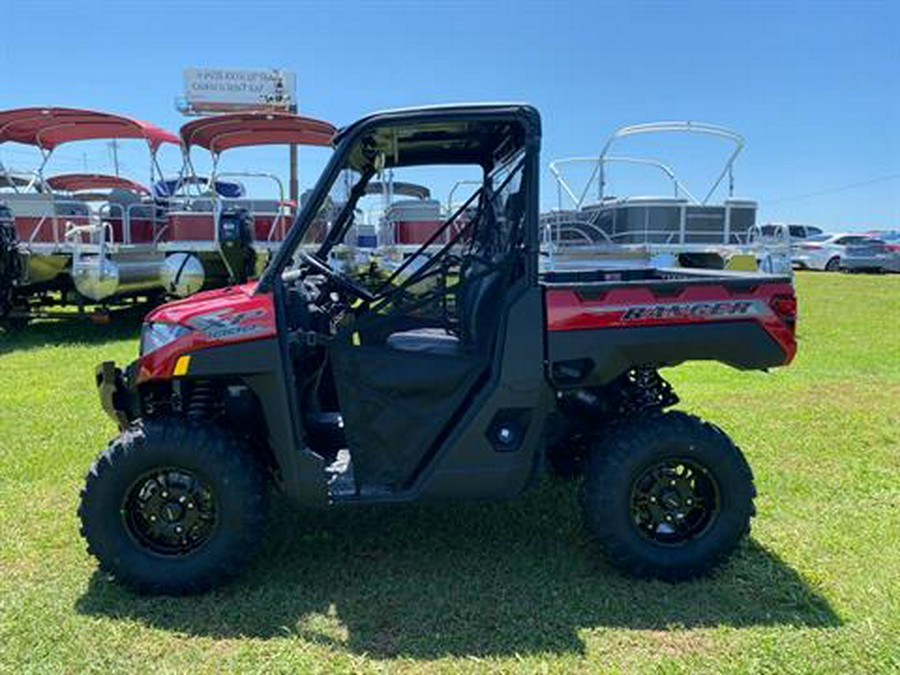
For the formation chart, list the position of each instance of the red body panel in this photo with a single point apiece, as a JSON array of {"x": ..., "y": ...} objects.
[
  {"x": 217, "y": 317},
  {"x": 567, "y": 309}
]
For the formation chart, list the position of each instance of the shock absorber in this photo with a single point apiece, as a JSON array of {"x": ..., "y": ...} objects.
[{"x": 202, "y": 400}]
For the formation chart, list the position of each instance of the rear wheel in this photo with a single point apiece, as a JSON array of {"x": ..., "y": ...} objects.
[
  {"x": 173, "y": 508},
  {"x": 667, "y": 495},
  {"x": 833, "y": 265}
]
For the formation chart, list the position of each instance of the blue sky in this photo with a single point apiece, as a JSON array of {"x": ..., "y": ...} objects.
[{"x": 813, "y": 88}]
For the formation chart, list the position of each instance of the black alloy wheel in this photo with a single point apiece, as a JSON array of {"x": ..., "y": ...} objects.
[
  {"x": 674, "y": 501},
  {"x": 170, "y": 511}
]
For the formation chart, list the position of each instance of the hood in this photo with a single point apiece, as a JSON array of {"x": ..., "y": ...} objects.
[
  {"x": 220, "y": 300},
  {"x": 215, "y": 318}
]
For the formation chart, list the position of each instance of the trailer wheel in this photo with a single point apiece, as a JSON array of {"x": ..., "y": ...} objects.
[
  {"x": 173, "y": 508},
  {"x": 667, "y": 495}
]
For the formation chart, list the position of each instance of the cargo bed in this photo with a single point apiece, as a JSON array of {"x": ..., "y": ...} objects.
[{"x": 602, "y": 322}]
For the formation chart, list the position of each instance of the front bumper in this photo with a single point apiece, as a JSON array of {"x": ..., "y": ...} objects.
[{"x": 113, "y": 390}]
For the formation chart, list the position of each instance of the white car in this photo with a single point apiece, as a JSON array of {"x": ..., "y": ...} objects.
[
  {"x": 826, "y": 251},
  {"x": 777, "y": 231}
]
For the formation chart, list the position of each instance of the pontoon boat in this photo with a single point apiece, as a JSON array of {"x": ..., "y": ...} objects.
[
  {"x": 65, "y": 242},
  {"x": 221, "y": 235},
  {"x": 681, "y": 228}
]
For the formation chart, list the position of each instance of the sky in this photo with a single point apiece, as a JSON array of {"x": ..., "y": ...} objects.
[{"x": 812, "y": 87}]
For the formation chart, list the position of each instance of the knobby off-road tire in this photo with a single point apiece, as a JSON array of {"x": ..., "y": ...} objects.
[
  {"x": 174, "y": 508},
  {"x": 667, "y": 495}
]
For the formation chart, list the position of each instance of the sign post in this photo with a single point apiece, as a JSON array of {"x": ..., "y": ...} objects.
[{"x": 293, "y": 187}]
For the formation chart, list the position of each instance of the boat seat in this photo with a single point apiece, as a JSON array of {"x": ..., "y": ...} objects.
[
  {"x": 257, "y": 205},
  {"x": 195, "y": 204},
  {"x": 436, "y": 341}
]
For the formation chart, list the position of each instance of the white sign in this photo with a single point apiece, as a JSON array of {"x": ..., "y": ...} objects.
[{"x": 209, "y": 88}]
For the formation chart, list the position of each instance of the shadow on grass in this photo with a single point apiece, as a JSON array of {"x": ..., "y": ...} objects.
[
  {"x": 460, "y": 580},
  {"x": 124, "y": 324}
]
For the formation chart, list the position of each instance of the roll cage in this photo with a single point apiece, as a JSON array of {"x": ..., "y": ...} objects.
[{"x": 484, "y": 135}]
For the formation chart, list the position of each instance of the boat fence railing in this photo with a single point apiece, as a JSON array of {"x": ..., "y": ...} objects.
[
  {"x": 99, "y": 234},
  {"x": 220, "y": 202},
  {"x": 53, "y": 219},
  {"x": 556, "y": 225},
  {"x": 584, "y": 197}
]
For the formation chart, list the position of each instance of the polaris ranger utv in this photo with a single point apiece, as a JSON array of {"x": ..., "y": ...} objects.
[{"x": 462, "y": 375}]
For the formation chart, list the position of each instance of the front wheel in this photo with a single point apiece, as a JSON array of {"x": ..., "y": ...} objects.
[
  {"x": 173, "y": 508},
  {"x": 667, "y": 495},
  {"x": 833, "y": 265}
]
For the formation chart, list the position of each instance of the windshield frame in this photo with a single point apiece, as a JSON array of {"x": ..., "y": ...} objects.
[{"x": 306, "y": 216}]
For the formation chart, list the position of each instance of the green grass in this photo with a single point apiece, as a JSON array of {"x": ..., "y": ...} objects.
[{"x": 490, "y": 587}]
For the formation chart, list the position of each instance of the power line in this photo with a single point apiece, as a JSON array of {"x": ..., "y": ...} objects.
[{"x": 829, "y": 191}]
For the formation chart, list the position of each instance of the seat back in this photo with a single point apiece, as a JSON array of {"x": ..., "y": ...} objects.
[
  {"x": 484, "y": 277},
  {"x": 479, "y": 298}
]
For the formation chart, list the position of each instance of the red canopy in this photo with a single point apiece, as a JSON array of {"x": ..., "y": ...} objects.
[
  {"x": 48, "y": 127},
  {"x": 235, "y": 130},
  {"x": 74, "y": 182}
]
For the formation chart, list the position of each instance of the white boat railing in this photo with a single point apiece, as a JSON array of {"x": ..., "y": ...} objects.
[{"x": 599, "y": 163}]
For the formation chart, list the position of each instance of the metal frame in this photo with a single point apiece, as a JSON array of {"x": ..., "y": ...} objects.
[
  {"x": 599, "y": 172},
  {"x": 36, "y": 179}
]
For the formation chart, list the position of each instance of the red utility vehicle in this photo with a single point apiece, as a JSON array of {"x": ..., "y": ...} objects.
[{"x": 464, "y": 378}]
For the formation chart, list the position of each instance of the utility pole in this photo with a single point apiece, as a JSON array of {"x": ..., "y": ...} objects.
[
  {"x": 114, "y": 146},
  {"x": 294, "y": 184}
]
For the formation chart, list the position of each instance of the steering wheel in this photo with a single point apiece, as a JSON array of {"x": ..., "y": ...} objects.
[{"x": 344, "y": 283}]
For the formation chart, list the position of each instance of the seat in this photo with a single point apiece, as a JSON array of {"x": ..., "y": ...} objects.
[
  {"x": 478, "y": 298},
  {"x": 425, "y": 341},
  {"x": 481, "y": 292}
]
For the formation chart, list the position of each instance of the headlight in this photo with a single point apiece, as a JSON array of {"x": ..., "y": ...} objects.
[{"x": 156, "y": 335}]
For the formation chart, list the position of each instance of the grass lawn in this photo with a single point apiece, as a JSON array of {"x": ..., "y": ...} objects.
[{"x": 490, "y": 587}]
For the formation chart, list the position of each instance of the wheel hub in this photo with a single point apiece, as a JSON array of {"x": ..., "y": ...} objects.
[
  {"x": 170, "y": 511},
  {"x": 674, "y": 501}
]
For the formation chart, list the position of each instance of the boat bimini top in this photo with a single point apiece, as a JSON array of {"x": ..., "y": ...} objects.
[{"x": 600, "y": 162}]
